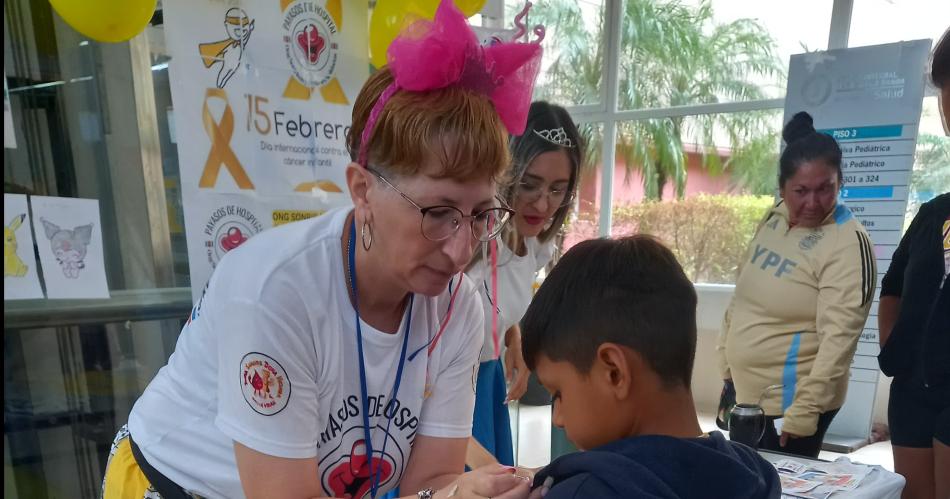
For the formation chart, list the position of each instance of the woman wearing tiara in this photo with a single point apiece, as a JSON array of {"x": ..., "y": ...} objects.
[{"x": 543, "y": 180}]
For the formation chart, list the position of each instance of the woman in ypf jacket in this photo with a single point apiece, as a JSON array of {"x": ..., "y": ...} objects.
[{"x": 801, "y": 298}]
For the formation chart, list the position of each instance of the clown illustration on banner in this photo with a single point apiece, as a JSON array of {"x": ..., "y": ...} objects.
[{"x": 263, "y": 94}]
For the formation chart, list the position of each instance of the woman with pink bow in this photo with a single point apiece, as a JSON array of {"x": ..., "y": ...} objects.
[{"x": 337, "y": 356}]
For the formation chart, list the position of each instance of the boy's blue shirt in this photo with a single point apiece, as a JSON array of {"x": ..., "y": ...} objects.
[{"x": 657, "y": 466}]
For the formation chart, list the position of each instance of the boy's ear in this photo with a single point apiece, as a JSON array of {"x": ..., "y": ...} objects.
[{"x": 614, "y": 365}]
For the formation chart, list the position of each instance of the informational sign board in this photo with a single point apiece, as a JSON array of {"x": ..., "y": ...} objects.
[
  {"x": 869, "y": 99},
  {"x": 263, "y": 93}
]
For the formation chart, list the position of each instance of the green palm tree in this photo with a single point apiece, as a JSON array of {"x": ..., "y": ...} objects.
[{"x": 671, "y": 54}]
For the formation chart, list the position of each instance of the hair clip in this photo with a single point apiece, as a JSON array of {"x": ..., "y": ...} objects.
[{"x": 556, "y": 136}]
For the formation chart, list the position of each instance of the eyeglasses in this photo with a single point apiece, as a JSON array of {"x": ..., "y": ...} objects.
[
  {"x": 531, "y": 192},
  {"x": 441, "y": 222}
]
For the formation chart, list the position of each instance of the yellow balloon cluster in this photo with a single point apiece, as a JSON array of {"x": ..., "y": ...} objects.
[
  {"x": 391, "y": 16},
  {"x": 106, "y": 20}
]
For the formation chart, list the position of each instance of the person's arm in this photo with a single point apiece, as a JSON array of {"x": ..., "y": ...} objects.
[
  {"x": 846, "y": 285},
  {"x": 437, "y": 464},
  {"x": 724, "y": 370},
  {"x": 445, "y": 427},
  {"x": 477, "y": 456},
  {"x": 516, "y": 371},
  {"x": 892, "y": 285},
  {"x": 887, "y": 311},
  {"x": 434, "y": 463},
  {"x": 264, "y": 476},
  {"x": 263, "y": 348}
]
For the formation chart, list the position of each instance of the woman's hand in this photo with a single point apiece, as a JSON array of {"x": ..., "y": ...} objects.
[
  {"x": 527, "y": 472},
  {"x": 516, "y": 371},
  {"x": 493, "y": 481},
  {"x": 785, "y": 438}
]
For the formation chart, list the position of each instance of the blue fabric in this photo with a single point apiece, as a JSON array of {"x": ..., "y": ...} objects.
[
  {"x": 663, "y": 467},
  {"x": 842, "y": 213},
  {"x": 789, "y": 376},
  {"x": 491, "y": 425}
]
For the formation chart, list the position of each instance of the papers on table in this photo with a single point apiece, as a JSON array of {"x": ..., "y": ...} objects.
[{"x": 819, "y": 480}]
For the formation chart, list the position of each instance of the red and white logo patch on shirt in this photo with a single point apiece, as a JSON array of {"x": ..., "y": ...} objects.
[{"x": 264, "y": 383}]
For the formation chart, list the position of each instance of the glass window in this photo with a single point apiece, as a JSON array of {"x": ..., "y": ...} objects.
[
  {"x": 718, "y": 173},
  {"x": 931, "y": 174},
  {"x": 685, "y": 52},
  {"x": 573, "y": 64},
  {"x": 886, "y": 21},
  {"x": 684, "y": 180},
  {"x": 91, "y": 121},
  {"x": 582, "y": 222},
  {"x": 794, "y": 27}
]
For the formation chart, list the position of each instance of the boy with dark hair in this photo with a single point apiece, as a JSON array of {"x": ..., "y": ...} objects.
[{"x": 612, "y": 335}]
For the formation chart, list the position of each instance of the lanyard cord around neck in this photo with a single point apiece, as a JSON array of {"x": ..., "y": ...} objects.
[
  {"x": 493, "y": 249},
  {"x": 492, "y": 294},
  {"x": 368, "y": 441}
]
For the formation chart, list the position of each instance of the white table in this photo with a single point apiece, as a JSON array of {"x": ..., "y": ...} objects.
[{"x": 879, "y": 484}]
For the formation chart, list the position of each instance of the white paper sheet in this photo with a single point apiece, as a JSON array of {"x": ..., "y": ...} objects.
[
  {"x": 69, "y": 239},
  {"x": 20, "y": 275}
]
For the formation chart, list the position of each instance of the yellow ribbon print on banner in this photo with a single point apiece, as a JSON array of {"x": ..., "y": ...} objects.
[
  {"x": 331, "y": 91},
  {"x": 221, "y": 153}
]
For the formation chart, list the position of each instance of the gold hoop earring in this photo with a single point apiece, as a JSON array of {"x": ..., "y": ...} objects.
[{"x": 363, "y": 231}]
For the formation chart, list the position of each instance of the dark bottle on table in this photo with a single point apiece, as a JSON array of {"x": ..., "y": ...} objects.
[{"x": 747, "y": 421}]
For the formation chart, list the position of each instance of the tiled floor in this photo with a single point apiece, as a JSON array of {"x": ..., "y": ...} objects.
[{"x": 531, "y": 426}]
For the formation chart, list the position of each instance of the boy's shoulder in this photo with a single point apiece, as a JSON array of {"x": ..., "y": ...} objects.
[{"x": 661, "y": 466}]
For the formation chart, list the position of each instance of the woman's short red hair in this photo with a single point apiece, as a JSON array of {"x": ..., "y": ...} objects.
[{"x": 458, "y": 128}]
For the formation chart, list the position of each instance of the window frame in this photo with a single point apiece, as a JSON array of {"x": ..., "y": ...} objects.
[{"x": 608, "y": 113}]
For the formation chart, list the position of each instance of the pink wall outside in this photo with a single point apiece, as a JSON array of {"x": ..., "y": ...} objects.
[{"x": 628, "y": 189}]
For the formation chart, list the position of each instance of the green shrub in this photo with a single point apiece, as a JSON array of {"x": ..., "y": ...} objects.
[{"x": 708, "y": 233}]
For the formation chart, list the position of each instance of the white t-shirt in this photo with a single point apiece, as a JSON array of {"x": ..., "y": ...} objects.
[
  {"x": 516, "y": 276},
  {"x": 269, "y": 359}
]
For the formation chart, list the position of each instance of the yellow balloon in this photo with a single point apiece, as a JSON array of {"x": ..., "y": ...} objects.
[
  {"x": 391, "y": 16},
  {"x": 470, "y": 7},
  {"x": 106, "y": 20}
]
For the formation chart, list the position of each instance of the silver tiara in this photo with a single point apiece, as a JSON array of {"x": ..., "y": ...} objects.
[{"x": 556, "y": 136}]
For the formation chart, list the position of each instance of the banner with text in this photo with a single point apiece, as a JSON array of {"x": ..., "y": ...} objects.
[
  {"x": 869, "y": 99},
  {"x": 263, "y": 92}
]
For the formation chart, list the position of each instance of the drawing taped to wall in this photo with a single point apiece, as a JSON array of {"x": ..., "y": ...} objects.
[{"x": 70, "y": 247}]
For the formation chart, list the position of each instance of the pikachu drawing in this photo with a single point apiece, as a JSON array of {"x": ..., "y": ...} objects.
[
  {"x": 69, "y": 246},
  {"x": 12, "y": 265}
]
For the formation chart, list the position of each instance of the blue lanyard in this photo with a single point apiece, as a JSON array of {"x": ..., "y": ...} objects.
[{"x": 363, "y": 391}]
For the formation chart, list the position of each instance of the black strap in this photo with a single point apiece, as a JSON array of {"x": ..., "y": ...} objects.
[{"x": 167, "y": 488}]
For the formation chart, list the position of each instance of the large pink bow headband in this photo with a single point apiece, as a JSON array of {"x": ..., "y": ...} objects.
[{"x": 430, "y": 55}]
